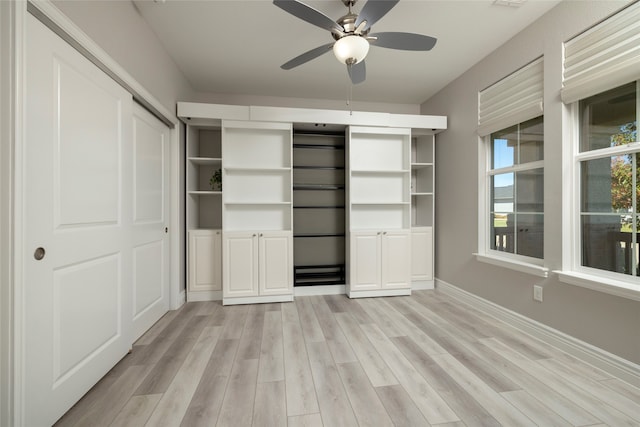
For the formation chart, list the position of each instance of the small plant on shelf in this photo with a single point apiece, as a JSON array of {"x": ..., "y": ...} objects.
[{"x": 216, "y": 180}]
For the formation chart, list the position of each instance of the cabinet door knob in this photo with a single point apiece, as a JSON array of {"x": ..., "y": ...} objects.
[
  {"x": 166, "y": 229},
  {"x": 378, "y": 233},
  {"x": 384, "y": 232},
  {"x": 38, "y": 254},
  {"x": 261, "y": 235},
  {"x": 254, "y": 235}
]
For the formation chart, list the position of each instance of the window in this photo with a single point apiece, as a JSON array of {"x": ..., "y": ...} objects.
[
  {"x": 607, "y": 164},
  {"x": 600, "y": 85},
  {"x": 511, "y": 172},
  {"x": 516, "y": 189}
]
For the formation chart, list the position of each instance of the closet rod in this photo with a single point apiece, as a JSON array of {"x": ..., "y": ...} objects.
[
  {"x": 319, "y": 134},
  {"x": 319, "y": 146},
  {"x": 308, "y": 267},
  {"x": 304, "y": 236},
  {"x": 317, "y": 187}
]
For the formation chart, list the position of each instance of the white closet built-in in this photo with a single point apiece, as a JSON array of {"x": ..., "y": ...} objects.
[{"x": 303, "y": 182}]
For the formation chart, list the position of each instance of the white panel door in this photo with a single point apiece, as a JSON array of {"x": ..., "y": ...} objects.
[
  {"x": 422, "y": 253},
  {"x": 396, "y": 260},
  {"x": 276, "y": 263},
  {"x": 240, "y": 264},
  {"x": 77, "y": 203},
  {"x": 365, "y": 261},
  {"x": 151, "y": 260},
  {"x": 205, "y": 260}
]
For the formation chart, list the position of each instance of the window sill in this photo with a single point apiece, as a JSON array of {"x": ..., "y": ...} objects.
[
  {"x": 523, "y": 267},
  {"x": 602, "y": 284}
]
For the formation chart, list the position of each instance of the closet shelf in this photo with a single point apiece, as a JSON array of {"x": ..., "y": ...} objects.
[
  {"x": 420, "y": 165},
  {"x": 310, "y": 275},
  {"x": 205, "y": 160},
  {"x": 320, "y": 167},
  {"x": 256, "y": 203},
  {"x": 205, "y": 193},
  {"x": 256, "y": 170},
  {"x": 318, "y": 207},
  {"x": 379, "y": 171},
  {"x": 379, "y": 203}
]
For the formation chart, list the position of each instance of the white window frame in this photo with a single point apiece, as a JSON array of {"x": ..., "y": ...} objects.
[
  {"x": 486, "y": 254},
  {"x": 573, "y": 272}
]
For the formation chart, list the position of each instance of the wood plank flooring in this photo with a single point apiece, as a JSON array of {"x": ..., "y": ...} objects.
[{"x": 423, "y": 360}]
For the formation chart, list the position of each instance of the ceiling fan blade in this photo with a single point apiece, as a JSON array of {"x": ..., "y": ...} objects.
[
  {"x": 307, "y": 56},
  {"x": 308, "y": 14},
  {"x": 357, "y": 72},
  {"x": 373, "y": 10},
  {"x": 403, "y": 41}
]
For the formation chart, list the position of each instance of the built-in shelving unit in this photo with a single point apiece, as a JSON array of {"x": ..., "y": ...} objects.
[
  {"x": 422, "y": 209},
  {"x": 203, "y": 213},
  {"x": 379, "y": 211},
  {"x": 349, "y": 197},
  {"x": 319, "y": 208},
  {"x": 257, "y": 212}
]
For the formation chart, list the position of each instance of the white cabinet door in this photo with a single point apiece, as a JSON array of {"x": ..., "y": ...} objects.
[
  {"x": 77, "y": 226},
  {"x": 365, "y": 261},
  {"x": 396, "y": 260},
  {"x": 240, "y": 264},
  {"x": 150, "y": 218},
  {"x": 205, "y": 260},
  {"x": 276, "y": 263},
  {"x": 422, "y": 253}
]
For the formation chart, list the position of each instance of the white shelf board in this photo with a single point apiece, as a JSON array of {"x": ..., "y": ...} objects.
[
  {"x": 256, "y": 203},
  {"x": 257, "y": 170},
  {"x": 421, "y": 194},
  {"x": 379, "y": 203},
  {"x": 205, "y": 193},
  {"x": 420, "y": 165},
  {"x": 379, "y": 172},
  {"x": 205, "y": 160}
]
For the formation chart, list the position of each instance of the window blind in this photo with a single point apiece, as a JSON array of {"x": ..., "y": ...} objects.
[
  {"x": 512, "y": 100},
  {"x": 603, "y": 57}
]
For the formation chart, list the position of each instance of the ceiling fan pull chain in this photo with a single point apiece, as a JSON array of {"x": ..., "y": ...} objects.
[{"x": 349, "y": 90}]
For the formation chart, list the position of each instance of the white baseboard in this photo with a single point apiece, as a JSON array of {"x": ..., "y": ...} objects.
[
  {"x": 182, "y": 298},
  {"x": 204, "y": 296},
  {"x": 608, "y": 362},
  {"x": 379, "y": 293},
  {"x": 422, "y": 285},
  {"x": 319, "y": 290},
  {"x": 257, "y": 300}
]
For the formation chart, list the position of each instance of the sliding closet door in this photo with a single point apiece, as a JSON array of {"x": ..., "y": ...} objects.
[
  {"x": 78, "y": 253},
  {"x": 150, "y": 220}
]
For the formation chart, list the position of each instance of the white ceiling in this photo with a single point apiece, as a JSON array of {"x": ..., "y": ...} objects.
[{"x": 237, "y": 46}]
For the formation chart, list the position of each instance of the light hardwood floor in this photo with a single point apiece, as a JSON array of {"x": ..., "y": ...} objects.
[{"x": 421, "y": 360}]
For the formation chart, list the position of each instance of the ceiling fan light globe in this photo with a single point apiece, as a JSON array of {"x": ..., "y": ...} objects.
[{"x": 351, "y": 49}]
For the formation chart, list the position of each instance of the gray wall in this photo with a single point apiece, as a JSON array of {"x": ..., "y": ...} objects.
[
  {"x": 118, "y": 28},
  {"x": 603, "y": 320},
  {"x": 121, "y": 31}
]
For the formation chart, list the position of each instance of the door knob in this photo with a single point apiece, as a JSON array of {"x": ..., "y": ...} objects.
[{"x": 39, "y": 253}]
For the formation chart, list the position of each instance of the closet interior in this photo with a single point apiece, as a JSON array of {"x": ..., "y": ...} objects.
[{"x": 319, "y": 205}]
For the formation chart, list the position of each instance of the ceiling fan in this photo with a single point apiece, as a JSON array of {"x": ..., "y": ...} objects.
[{"x": 352, "y": 34}]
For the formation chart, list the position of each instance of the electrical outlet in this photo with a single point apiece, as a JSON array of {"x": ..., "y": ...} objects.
[{"x": 537, "y": 293}]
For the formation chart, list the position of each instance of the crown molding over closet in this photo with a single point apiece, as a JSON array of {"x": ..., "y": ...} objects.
[{"x": 195, "y": 113}]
